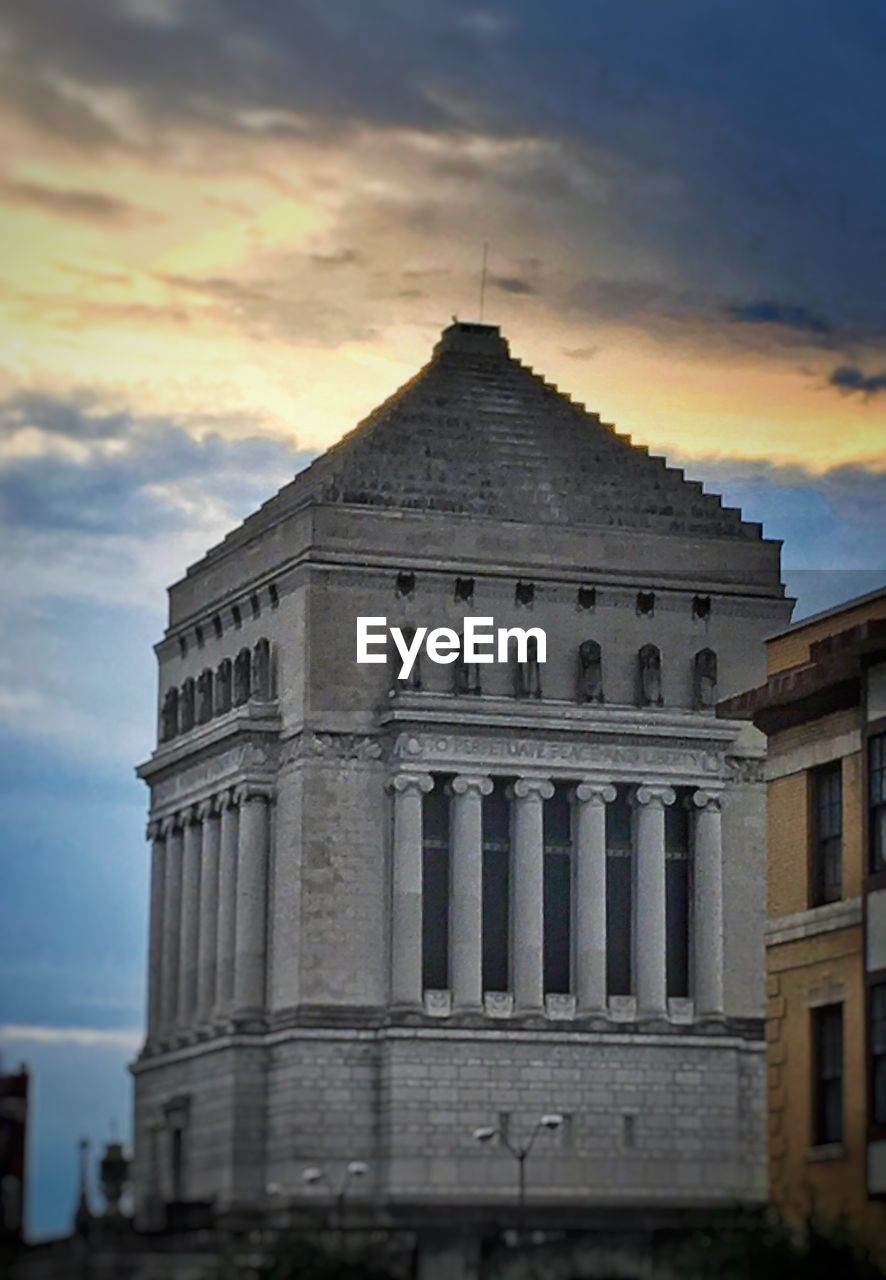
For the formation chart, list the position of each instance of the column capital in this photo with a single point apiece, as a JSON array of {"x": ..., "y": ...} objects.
[
  {"x": 154, "y": 830},
  {"x": 253, "y": 791},
  {"x": 168, "y": 826},
  {"x": 540, "y": 788},
  {"x": 648, "y": 794},
  {"x": 601, "y": 793},
  {"x": 225, "y": 799},
  {"x": 207, "y": 809},
  {"x": 707, "y": 801},
  {"x": 465, "y": 783},
  {"x": 421, "y": 782},
  {"x": 187, "y": 816}
]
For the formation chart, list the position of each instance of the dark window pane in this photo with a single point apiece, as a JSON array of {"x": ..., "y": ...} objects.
[
  {"x": 877, "y": 1032},
  {"x": 877, "y": 798},
  {"x": 827, "y": 1028},
  {"x": 618, "y": 924},
  {"x": 618, "y": 821},
  {"x": 827, "y": 834},
  {"x": 677, "y": 908},
  {"x": 435, "y": 887},
  {"x": 557, "y": 909},
  {"x": 558, "y": 820},
  {"x": 496, "y": 888},
  {"x": 677, "y": 825}
]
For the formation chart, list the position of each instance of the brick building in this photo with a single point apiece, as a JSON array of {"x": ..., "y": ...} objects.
[
  {"x": 386, "y": 914},
  {"x": 823, "y": 707}
]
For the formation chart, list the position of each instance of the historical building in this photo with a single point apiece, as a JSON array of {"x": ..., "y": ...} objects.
[
  {"x": 823, "y": 707},
  {"x": 387, "y": 914}
]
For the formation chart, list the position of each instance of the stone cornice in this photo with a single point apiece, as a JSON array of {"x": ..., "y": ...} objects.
[
  {"x": 517, "y": 715},
  {"x": 373, "y": 1026},
  {"x": 845, "y": 914},
  {"x": 252, "y": 718}
]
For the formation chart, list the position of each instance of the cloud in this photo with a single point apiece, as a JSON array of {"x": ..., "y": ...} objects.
[
  {"x": 512, "y": 284},
  {"x": 70, "y": 466},
  {"x": 779, "y": 313},
  {"x": 93, "y": 206},
  {"x": 851, "y": 381},
  {"x": 82, "y": 1037}
]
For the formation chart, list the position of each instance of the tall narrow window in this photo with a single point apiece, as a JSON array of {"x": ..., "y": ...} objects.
[
  {"x": 177, "y": 1162},
  {"x": 677, "y": 895},
  {"x": 826, "y": 792},
  {"x": 877, "y": 1033},
  {"x": 435, "y": 887},
  {"x": 877, "y": 800},
  {"x": 496, "y": 888},
  {"x": 557, "y": 892},
  {"x": 827, "y": 1055},
  {"x": 619, "y": 895}
]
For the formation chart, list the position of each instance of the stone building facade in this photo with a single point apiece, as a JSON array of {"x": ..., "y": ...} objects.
[
  {"x": 823, "y": 707},
  {"x": 385, "y": 913}
]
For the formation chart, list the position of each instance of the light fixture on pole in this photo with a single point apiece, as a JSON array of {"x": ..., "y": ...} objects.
[
  {"x": 488, "y": 1133},
  {"x": 313, "y": 1176}
]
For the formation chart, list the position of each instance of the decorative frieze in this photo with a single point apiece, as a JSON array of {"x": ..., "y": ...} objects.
[
  {"x": 314, "y": 745},
  {"x": 511, "y": 754}
]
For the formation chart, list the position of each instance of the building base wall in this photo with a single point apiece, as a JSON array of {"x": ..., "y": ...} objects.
[{"x": 649, "y": 1118}]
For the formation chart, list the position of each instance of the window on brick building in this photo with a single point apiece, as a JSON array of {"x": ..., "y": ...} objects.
[
  {"x": 827, "y": 834},
  {"x": 558, "y": 892},
  {"x": 827, "y": 1067},
  {"x": 877, "y": 1032},
  {"x": 677, "y": 895},
  {"x": 877, "y": 800},
  {"x": 619, "y": 895},
  {"x": 496, "y": 887},
  {"x": 435, "y": 888}
]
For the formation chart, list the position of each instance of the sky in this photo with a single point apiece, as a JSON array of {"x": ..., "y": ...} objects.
[{"x": 229, "y": 230}]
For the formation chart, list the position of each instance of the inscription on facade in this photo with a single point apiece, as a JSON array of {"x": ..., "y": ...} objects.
[{"x": 433, "y": 749}]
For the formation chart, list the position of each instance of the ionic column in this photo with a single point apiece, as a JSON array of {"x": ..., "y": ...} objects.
[
  {"x": 170, "y": 951},
  {"x": 651, "y": 916},
  {"x": 707, "y": 905},
  {"x": 406, "y": 905},
  {"x": 155, "y": 929},
  {"x": 190, "y": 919},
  {"x": 591, "y": 799},
  {"x": 253, "y": 846},
  {"x": 208, "y": 942},
  {"x": 226, "y": 935},
  {"x": 528, "y": 919},
  {"x": 466, "y": 903}
]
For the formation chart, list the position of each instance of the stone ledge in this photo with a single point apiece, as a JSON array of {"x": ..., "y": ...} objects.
[{"x": 816, "y": 920}]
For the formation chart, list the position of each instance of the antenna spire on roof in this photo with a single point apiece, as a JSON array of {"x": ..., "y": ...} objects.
[{"x": 483, "y": 278}]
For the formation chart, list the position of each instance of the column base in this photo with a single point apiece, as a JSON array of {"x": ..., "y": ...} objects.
[{"x": 249, "y": 1020}]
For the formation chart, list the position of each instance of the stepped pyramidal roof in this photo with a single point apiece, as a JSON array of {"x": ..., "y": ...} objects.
[{"x": 477, "y": 432}]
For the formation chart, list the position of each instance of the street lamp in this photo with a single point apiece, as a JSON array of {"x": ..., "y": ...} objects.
[
  {"x": 313, "y": 1176},
  {"x": 488, "y": 1133}
]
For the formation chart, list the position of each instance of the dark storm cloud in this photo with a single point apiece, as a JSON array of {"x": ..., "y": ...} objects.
[
  {"x": 737, "y": 147},
  {"x": 93, "y": 206},
  {"x": 852, "y": 381},
  {"x": 512, "y": 284},
  {"x": 115, "y": 473},
  {"x": 779, "y": 313}
]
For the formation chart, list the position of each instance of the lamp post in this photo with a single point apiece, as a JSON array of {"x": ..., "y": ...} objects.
[
  {"x": 489, "y": 1133},
  {"x": 313, "y": 1176}
]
